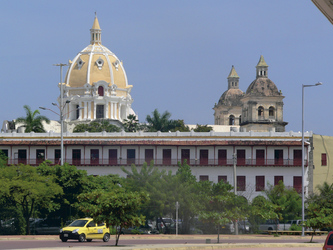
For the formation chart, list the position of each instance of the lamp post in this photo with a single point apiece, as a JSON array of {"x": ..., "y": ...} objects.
[
  {"x": 304, "y": 86},
  {"x": 61, "y": 116},
  {"x": 235, "y": 187},
  {"x": 61, "y": 112}
]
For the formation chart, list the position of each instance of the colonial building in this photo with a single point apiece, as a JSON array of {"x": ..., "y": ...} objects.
[
  {"x": 96, "y": 87},
  {"x": 261, "y": 158},
  {"x": 259, "y": 109},
  {"x": 96, "y": 81}
]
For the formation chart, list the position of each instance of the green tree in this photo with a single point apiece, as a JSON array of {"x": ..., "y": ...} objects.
[
  {"x": 24, "y": 189},
  {"x": 131, "y": 124},
  {"x": 222, "y": 206},
  {"x": 320, "y": 208},
  {"x": 288, "y": 202},
  {"x": 33, "y": 120},
  {"x": 158, "y": 122},
  {"x": 203, "y": 128},
  {"x": 116, "y": 208},
  {"x": 3, "y": 159},
  {"x": 178, "y": 125},
  {"x": 96, "y": 126}
]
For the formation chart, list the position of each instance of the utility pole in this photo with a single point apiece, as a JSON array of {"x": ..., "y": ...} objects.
[
  {"x": 177, "y": 207},
  {"x": 235, "y": 188}
]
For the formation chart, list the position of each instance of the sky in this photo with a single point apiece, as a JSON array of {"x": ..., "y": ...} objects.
[{"x": 177, "y": 54}]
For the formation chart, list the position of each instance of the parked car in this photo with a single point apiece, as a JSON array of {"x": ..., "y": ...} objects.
[
  {"x": 228, "y": 228},
  {"x": 273, "y": 225},
  {"x": 85, "y": 229},
  {"x": 45, "y": 226},
  {"x": 328, "y": 245},
  {"x": 244, "y": 227}
]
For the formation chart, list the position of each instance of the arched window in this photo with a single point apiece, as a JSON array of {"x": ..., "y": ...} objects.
[
  {"x": 271, "y": 111},
  {"x": 261, "y": 112},
  {"x": 100, "y": 91},
  {"x": 231, "y": 120},
  {"x": 240, "y": 119}
]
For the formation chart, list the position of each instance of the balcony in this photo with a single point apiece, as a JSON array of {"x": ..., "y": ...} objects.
[{"x": 167, "y": 162}]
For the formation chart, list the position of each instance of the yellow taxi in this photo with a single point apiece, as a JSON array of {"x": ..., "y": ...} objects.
[{"x": 85, "y": 229}]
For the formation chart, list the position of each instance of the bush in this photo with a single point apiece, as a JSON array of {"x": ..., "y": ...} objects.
[{"x": 295, "y": 227}]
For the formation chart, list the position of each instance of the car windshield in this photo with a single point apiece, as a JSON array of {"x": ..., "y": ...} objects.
[{"x": 78, "y": 223}]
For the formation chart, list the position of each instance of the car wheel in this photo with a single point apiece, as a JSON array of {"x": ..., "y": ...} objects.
[
  {"x": 89, "y": 240},
  {"x": 64, "y": 239},
  {"x": 82, "y": 238},
  {"x": 106, "y": 237}
]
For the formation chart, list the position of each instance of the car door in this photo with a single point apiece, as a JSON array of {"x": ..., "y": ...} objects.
[{"x": 91, "y": 230}]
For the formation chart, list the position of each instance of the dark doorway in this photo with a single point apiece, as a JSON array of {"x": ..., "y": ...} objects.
[
  {"x": 149, "y": 155},
  {"x": 260, "y": 157},
  {"x": 94, "y": 156},
  {"x": 113, "y": 157},
  {"x": 166, "y": 156},
  {"x": 241, "y": 157}
]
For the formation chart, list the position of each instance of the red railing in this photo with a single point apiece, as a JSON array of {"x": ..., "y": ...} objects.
[{"x": 165, "y": 162}]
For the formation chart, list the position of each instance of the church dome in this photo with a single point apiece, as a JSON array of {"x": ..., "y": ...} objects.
[
  {"x": 263, "y": 87},
  {"x": 231, "y": 97},
  {"x": 94, "y": 64}
]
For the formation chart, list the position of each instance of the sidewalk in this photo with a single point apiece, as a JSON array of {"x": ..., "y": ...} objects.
[{"x": 206, "y": 238}]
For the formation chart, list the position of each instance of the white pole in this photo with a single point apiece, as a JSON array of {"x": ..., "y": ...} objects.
[
  {"x": 303, "y": 153},
  {"x": 177, "y": 207},
  {"x": 235, "y": 188},
  {"x": 61, "y": 114}
]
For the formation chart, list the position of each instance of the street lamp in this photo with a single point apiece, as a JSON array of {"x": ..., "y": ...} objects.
[
  {"x": 61, "y": 116},
  {"x": 304, "y": 86}
]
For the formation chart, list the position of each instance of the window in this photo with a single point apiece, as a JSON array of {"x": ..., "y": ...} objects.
[
  {"x": 323, "y": 159},
  {"x": 94, "y": 156},
  {"x": 204, "y": 157},
  {"x": 271, "y": 111},
  {"x": 40, "y": 156},
  {"x": 112, "y": 157},
  {"x": 298, "y": 184},
  {"x": 77, "y": 111},
  {"x": 297, "y": 157},
  {"x": 222, "y": 157},
  {"x": 231, "y": 120},
  {"x": 240, "y": 119},
  {"x": 277, "y": 179},
  {"x": 185, "y": 155},
  {"x": 260, "y": 183},
  {"x": 22, "y": 156},
  {"x": 130, "y": 156},
  {"x": 222, "y": 178},
  {"x": 260, "y": 157},
  {"x": 57, "y": 156},
  {"x": 99, "y": 111},
  {"x": 166, "y": 156},
  {"x": 203, "y": 178},
  {"x": 149, "y": 155},
  {"x": 240, "y": 156},
  {"x": 100, "y": 91},
  {"x": 76, "y": 156},
  {"x": 278, "y": 157},
  {"x": 261, "y": 112},
  {"x": 241, "y": 182}
]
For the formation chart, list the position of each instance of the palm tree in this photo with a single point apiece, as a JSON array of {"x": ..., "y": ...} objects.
[
  {"x": 131, "y": 124},
  {"x": 33, "y": 120},
  {"x": 158, "y": 122}
]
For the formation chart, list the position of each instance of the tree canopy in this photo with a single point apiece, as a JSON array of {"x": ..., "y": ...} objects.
[
  {"x": 97, "y": 126},
  {"x": 33, "y": 121}
]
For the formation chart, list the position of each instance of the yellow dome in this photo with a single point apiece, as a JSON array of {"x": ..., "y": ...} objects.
[{"x": 96, "y": 63}]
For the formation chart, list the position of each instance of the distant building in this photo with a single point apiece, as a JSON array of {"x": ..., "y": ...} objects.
[
  {"x": 260, "y": 109},
  {"x": 261, "y": 158},
  {"x": 96, "y": 81}
]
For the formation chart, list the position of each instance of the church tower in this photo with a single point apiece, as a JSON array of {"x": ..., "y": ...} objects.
[
  {"x": 96, "y": 82},
  {"x": 229, "y": 108},
  {"x": 262, "y": 105}
]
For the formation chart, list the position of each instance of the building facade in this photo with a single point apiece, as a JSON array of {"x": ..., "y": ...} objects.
[
  {"x": 96, "y": 85},
  {"x": 259, "y": 109},
  {"x": 261, "y": 158}
]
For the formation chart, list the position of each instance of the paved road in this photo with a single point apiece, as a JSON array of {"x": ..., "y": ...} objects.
[{"x": 262, "y": 242}]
